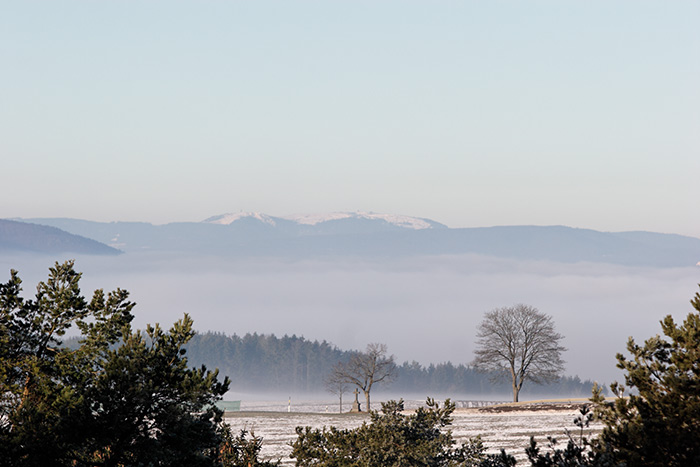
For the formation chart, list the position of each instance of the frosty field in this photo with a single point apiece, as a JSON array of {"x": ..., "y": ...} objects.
[{"x": 510, "y": 430}]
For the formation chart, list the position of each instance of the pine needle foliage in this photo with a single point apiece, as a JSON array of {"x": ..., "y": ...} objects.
[
  {"x": 121, "y": 397},
  {"x": 659, "y": 422}
]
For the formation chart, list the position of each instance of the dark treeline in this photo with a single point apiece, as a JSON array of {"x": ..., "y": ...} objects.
[
  {"x": 449, "y": 379},
  {"x": 259, "y": 362},
  {"x": 265, "y": 362}
]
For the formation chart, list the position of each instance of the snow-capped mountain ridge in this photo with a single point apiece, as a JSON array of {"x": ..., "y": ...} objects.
[
  {"x": 229, "y": 218},
  {"x": 407, "y": 222},
  {"x": 415, "y": 223}
]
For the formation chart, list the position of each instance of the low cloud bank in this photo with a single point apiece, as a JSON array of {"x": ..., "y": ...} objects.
[{"x": 424, "y": 308}]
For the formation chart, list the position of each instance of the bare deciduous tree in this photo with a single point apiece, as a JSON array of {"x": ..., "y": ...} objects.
[
  {"x": 365, "y": 369},
  {"x": 336, "y": 384},
  {"x": 519, "y": 342}
]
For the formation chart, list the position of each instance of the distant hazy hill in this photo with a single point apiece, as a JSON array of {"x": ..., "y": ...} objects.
[
  {"x": 22, "y": 236},
  {"x": 370, "y": 234}
]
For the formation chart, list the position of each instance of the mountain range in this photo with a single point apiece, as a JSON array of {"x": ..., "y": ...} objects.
[
  {"x": 27, "y": 237},
  {"x": 356, "y": 234}
]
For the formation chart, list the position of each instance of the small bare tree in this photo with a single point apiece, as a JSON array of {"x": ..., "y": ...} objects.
[
  {"x": 365, "y": 369},
  {"x": 336, "y": 384},
  {"x": 519, "y": 342}
]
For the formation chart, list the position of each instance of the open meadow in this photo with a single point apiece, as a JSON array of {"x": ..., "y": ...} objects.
[{"x": 511, "y": 430}]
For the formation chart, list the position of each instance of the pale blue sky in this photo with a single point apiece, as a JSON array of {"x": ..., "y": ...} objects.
[{"x": 472, "y": 113}]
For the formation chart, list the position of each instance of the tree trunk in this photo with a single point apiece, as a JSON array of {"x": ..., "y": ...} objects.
[
  {"x": 516, "y": 386},
  {"x": 367, "y": 401}
]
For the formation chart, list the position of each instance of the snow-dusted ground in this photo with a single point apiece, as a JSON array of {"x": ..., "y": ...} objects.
[{"x": 510, "y": 431}]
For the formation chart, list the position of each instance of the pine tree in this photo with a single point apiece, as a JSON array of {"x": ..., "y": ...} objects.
[
  {"x": 120, "y": 397},
  {"x": 659, "y": 423}
]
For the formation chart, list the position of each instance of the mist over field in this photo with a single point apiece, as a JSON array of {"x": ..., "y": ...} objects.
[{"x": 424, "y": 308}]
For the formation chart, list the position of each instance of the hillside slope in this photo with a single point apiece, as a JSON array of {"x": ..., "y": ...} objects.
[{"x": 26, "y": 237}]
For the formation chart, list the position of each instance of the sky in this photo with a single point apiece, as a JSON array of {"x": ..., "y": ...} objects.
[{"x": 470, "y": 113}]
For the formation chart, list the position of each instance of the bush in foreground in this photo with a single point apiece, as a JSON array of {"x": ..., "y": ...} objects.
[{"x": 394, "y": 439}]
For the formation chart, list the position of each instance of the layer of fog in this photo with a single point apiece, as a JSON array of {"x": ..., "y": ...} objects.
[{"x": 425, "y": 309}]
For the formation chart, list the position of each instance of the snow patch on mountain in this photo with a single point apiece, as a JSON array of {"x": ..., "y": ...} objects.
[
  {"x": 407, "y": 222},
  {"x": 229, "y": 218}
]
